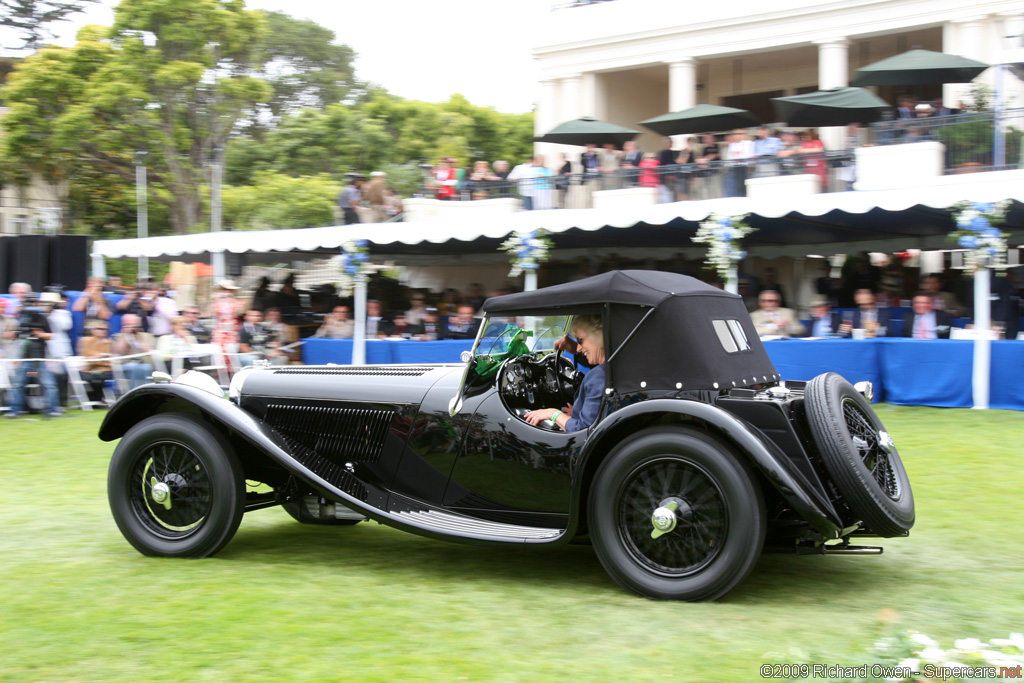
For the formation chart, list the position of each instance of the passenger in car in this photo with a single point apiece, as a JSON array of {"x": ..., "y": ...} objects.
[{"x": 589, "y": 342}]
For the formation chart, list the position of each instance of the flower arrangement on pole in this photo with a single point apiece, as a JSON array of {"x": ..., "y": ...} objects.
[
  {"x": 976, "y": 232},
  {"x": 354, "y": 256},
  {"x": 527, "y": 249},
  {"x": 722, "y": 235}
]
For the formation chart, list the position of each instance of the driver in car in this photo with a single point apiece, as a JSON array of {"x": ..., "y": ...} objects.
[{"x": 589, "y": 342}]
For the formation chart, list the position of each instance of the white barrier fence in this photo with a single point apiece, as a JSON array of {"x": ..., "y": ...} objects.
[{"x": 207, "y": 358}]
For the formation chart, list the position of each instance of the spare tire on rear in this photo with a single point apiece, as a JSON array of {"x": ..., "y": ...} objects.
[{"x": 859, "y": 456}]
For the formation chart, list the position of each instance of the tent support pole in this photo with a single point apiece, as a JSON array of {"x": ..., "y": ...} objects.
[
  {"x": 359, "y": 333},
  {"x": 982, "y": 342}
]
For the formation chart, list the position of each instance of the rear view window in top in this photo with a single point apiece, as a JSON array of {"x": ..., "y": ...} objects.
[{"x": 731, "y": 336}]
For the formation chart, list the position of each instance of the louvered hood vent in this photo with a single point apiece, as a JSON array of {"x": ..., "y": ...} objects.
[{"x": 340, "y": 435}]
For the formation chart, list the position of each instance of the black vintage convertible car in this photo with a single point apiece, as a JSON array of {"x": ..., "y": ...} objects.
[{"x": 701, "y": 458}]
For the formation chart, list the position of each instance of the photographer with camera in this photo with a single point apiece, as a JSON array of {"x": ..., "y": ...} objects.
[
  {"x": 91, "y": 301},
  {"x": 32, "y": 334}
]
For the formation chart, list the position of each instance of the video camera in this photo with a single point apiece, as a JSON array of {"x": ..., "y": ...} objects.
[{"x": 31, "y": 318}]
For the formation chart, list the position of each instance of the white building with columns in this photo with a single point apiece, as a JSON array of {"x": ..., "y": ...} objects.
[{"x": 628, "y": 60}]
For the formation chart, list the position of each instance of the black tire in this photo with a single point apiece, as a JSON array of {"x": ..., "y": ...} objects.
[
  {"x": 859, "y": 456},
  {"x": 307, "y": 514},
  {"x": 718, "y": 532},
  {"x": 201, "y": 480}
]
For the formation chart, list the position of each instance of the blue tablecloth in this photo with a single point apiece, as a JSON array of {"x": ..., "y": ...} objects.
[
  {"x": 803, "y": 359},
  {"x": 928, "y": 373},
  {"x": 904, "y": 371},
  {"x": 384, "y": 351}
]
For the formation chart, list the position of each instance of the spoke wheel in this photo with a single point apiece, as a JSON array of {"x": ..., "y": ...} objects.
[
  {"x": 859, "y": 456},
  {"x": 676, "y": 514},
  {"x": 175, "y": 487},
  {"x": 699, "y": 521}
]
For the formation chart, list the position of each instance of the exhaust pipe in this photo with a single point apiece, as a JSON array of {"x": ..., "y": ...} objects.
[{"x": 853, "y": 550}]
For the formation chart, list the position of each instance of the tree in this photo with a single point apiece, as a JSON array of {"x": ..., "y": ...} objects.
[
  {"x": 304, "y": 66},
  {"x": 30, "y": 18},
  {"x": 276, "y": 201},
  {"x": 171, "y": 78}
]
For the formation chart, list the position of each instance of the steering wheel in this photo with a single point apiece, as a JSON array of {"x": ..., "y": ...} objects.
[{"x": 553, "y": 364}]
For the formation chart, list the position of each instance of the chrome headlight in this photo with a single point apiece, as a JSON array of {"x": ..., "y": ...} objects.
[{"x": 865, "y": 389}]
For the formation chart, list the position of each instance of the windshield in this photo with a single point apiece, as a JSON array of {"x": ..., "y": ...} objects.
[{"x": 503, "y": 338}]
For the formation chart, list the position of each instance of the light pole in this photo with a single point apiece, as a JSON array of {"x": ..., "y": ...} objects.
[
  {"x": 143, "y": 212},
  {"x": 216, "y": 172}
]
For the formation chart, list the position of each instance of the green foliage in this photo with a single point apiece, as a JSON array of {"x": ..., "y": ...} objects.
[
  {"x": 172, "y": 77},
  {"x": 276, "y": 201},
  {"x": 181, "y": 79},
  {"x": 304, "y": 66},
  {"x": 382, "y": 133}
]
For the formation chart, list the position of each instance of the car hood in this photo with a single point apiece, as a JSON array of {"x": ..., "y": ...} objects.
[{"x": 381, "y": 383}]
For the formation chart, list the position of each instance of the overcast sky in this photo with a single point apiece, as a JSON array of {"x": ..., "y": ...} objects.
[{"x": 418, "y": 49}]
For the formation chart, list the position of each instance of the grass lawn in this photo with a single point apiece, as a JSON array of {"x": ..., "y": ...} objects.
[{"x": 289, "y": 602}]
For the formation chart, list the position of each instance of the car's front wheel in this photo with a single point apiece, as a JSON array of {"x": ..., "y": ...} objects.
[
  {"x": 175, "y": 487},
  {"x": 676, "y": 514}
]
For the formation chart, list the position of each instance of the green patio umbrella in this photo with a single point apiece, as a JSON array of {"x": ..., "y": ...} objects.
[
  {"x": 586, "y": 130},
  {"x": 919, "y": 67},
  {"x": 833, "y": 107},
  {"x": 704, "y": 118}
]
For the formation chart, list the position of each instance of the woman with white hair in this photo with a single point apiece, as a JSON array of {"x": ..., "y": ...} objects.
[{"x": 589, "y": 342}]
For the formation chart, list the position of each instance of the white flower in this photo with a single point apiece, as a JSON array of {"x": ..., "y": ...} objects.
[
  {"x": 922, "y": 639},
  {"x": 970, "y": 644}
]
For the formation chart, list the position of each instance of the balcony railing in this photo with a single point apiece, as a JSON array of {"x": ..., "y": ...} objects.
[
  {"x": 970, "y": 138},
  {"x": 834, "y": 172}
]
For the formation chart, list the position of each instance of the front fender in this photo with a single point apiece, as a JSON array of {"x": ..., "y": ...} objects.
[{"x": 761, "y": 451}]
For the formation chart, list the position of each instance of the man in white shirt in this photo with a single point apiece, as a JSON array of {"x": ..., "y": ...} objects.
[{"x": 740, "y": 149}]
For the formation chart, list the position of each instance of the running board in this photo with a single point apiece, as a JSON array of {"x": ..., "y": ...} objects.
[{"x": 448, "y": 523}]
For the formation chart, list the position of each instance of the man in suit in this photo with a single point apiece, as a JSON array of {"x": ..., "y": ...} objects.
[
  {"x": 772, "y": 320},
  {"x": 868, "y": 316},
  {"x": 923, "y": 321},
  {"x": 463, "y": 325},
  {"x": 824, "y": 321}
]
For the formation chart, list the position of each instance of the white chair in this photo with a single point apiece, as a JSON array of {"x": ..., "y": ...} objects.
[
  {"x": 5, "y": 383},
  {"x": 78, "y": 387}
]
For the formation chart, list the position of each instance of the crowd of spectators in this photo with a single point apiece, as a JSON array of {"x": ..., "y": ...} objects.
[
  {"x": 130, "y": 331},
  {"x": 712, "y": 166}
]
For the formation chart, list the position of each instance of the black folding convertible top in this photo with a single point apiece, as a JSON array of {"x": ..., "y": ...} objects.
[{"x": 677, "y": 346}]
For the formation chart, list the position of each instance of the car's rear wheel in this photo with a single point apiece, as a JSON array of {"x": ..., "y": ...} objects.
[
  {"x": 175, "y": 487},
  {"x": 859, "y": 455},
  {"x": 676, "y": 514}
]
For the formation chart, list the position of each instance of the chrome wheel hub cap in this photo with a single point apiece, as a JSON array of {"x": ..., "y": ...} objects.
[
  {"x": 885, "y": 442},
  {"x": 161, "y": 493}
]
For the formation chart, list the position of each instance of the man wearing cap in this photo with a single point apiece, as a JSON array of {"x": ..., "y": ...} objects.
[
  {"x": 375, "y": 192},
  {"x": 351, "y": 198},
  {"x": 824, "y": 322}
]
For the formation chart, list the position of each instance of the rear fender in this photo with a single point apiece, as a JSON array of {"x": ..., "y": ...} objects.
[{"x": 762, "y": 453}]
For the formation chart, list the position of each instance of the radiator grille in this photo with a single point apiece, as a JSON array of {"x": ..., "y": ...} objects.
[
  {"x": 367, "y": 371},
  {"x": 339, "y": 434}
]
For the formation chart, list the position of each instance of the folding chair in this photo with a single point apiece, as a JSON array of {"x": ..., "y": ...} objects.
[
  {"x": 5, "y": 385},
  {"x": 78, "y": 387}
]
